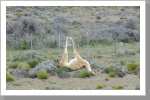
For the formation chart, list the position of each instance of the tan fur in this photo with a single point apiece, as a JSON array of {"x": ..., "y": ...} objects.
[{"x": 77, "y": 63}]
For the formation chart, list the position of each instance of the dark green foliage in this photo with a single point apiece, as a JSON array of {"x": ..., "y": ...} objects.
[
  {"x": 42, "y": 75},
  {"x": 33, "y": 63},
  {"x": 63, "y": 69},
  {"x": 24, "y": 45},
  {"x": 111, "y": 69},
  {"x": 84, "y": 74}
]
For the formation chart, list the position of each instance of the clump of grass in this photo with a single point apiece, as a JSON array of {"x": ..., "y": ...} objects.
[
  {"x": 47, "y": 88},
  {"x": 99, "y": 56},
  {"x": 132, "y": 66},
  {"x": 9, "y": 78},
  {"x": 24, "y": 66},
  {"x": 16, "y": 84},
  {"x": 84, "y": 74},
  {"x": 42, "y": 75},
  {"x": 110, "y": 69},
  {"x": 33, "y": 63},
  {"x": 106, "y": 79},
  {"x": 63, "y": 69},
  {"x": 139, "y": 75},
  {"x": 122, "y": 62},
  {"x": 118, "y": 87},
  {"x": 99, "y": 86},
  {"x": 112, "y": 74},
  {"x": 13, "y": 65}
]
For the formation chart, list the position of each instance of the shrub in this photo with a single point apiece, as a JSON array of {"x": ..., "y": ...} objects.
[
  {"x": 33, "y": 63},
  {"x": 24, "y": 66},
  {"x": 112, "y": 74},
  {"x": 111, "y": 69},
  {"x": 131, "y": 23},
  {"x": 64, "y": 75},
  {"x": 122, "y": 62},
  {"x": 84, "y": 74},
  {"x": 42, "y": 75},
  {"x": 63, "y": 69},
  {"x": 118, "y": 87},
  {"x": 61, "y": 19},
  {"x": 106, "y": 79},
  {"x": 99, "y": 86},
  {"x": 13, "y": 65},
  {"x": 132, "y": 66},
  {"x": 48, "y": 66},
  {"x": 9, "y": 77}
]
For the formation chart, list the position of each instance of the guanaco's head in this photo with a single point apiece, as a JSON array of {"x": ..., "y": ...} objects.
[{"x": 58, "y": 65}]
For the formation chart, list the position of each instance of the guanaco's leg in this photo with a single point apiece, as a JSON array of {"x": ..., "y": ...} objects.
[
  {"x": 77, "y": 56},
  {"x": 64, "y": 59}
]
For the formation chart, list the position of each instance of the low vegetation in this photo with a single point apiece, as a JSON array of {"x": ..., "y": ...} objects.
[
  {"x": 9, "y": 77},
  {"x": 139, "y": 75},
  {"x": 111, "y": 69},
  {"x": 63, "y": 69},
  {"x": 118, "y": 87},
  {"x": 99, "y": 86},
  {"x": 33, "y": 63},
  {"x": 23, "y": 66},
  {"x": 132, "y": 66},
  {"x": 112, "y": 74},
  {"x": 84, "y": 74},
  {"x": 13, "y": 65},
  {"x": 106, "y": 79},
  {"x": 42, "y": 75}
]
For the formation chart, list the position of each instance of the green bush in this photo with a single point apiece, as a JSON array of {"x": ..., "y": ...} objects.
[
  {"x": 63, "y": 69},
  {"x": 24, "y": 66},
  {"x": 99, "y": 86},
  {"x": 84, "y": 74},
  {"x": 111, "y": 69},
  {"x": 13, "y": 65},
  {"x": 42, "y": 75},
  {"x": 118, "y": 87},
  {"x": 132, "y": 66},
  {"x": 33, "y": 63},
  {"x": 112, "y": 74},
  {"x": 106, "y": 79},
  {"x": 9, "y": 77}
]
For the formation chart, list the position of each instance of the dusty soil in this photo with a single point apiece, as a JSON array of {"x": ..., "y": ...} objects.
[{"x": 130, "y": 82}]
